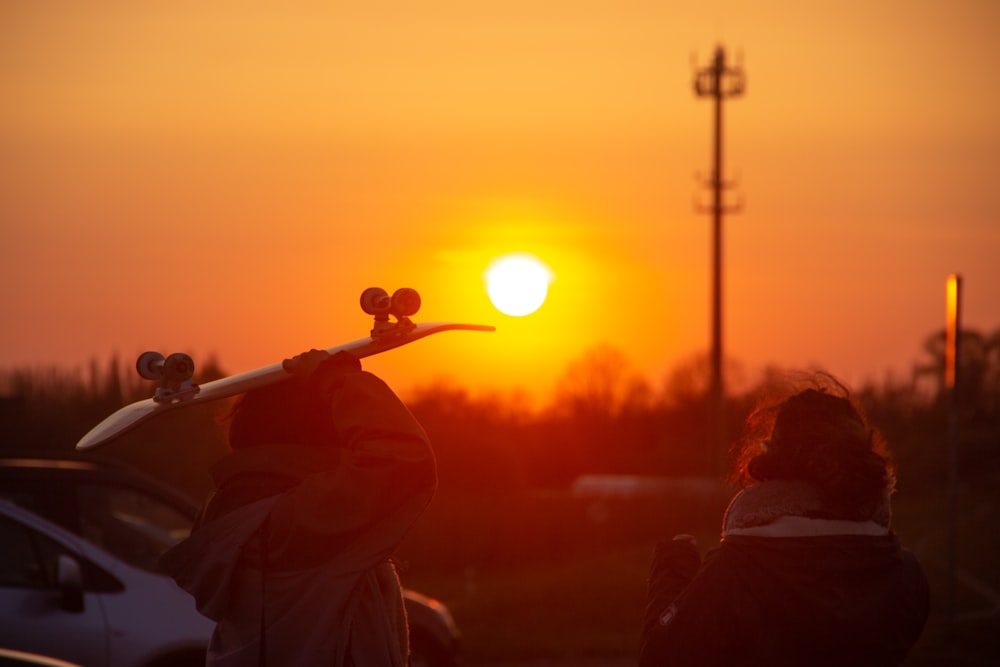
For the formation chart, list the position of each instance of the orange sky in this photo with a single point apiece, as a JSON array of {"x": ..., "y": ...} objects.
[{"x": 210, "y": 178}]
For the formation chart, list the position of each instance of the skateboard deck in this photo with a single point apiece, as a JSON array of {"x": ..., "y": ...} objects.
[{"x": 174, "y": 373}]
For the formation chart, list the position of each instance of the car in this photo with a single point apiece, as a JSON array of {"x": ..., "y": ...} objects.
[
  {"x": 64, "y": 597},
  {"x": 110, "y": 523}
]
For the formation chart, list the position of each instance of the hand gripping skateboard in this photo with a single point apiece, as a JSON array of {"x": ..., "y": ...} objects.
[{"x": 392, "y": 328}]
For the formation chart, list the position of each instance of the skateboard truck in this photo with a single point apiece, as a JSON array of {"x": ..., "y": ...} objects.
[
  {"x": 403, "y": 303},
  {"x": 173, "y": 372}
]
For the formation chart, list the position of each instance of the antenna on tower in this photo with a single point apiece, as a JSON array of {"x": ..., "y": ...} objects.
[{"x": 718, "y": 81}]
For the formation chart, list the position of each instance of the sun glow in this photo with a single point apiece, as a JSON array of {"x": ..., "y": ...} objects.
[{"x": 518, "y": 284}]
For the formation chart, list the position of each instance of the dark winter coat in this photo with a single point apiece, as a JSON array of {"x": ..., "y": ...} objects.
[
  {"x": 329, "y": 518},
  {"x": 784, "y": 589}
]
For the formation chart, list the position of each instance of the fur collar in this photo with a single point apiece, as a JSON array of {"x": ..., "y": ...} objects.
[{"x": 765, "y": 502}]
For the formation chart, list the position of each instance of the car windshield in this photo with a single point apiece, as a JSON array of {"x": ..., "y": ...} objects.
[{"x": 134, "y": 526}]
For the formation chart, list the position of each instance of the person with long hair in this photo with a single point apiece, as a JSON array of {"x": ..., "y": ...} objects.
[{"x": 808, "y": 571}]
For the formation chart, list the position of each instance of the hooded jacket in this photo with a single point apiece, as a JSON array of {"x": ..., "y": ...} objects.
[
  {"x": 328, "y": 519},
  {"x": 786, "y": 586}
]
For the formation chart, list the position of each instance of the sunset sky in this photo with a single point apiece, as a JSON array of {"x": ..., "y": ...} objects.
[{"x": 225, "y": 178}]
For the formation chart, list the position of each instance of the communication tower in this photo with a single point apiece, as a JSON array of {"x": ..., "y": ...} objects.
[{"x": 718, "y": 81}]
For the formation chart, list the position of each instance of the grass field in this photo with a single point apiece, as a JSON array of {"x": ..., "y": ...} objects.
[{"x": 589, "y": 605}]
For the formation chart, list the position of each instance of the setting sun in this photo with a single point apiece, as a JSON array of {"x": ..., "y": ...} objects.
[{"x": 517, "y": 284}]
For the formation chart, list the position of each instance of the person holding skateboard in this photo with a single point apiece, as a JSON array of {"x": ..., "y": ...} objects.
[
  {"x": 808, "y": 571},
  {"x": 291, "y": 554}
]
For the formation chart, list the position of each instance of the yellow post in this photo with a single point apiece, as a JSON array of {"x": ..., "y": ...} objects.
[
  {"x": 953, "y": 289},
  {"x": 952, "y": 363}
]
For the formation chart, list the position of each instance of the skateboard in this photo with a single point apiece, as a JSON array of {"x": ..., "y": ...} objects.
[{"x": 174, "y": 373}]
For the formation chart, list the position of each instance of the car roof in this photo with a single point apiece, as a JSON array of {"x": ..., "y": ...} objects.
[
  {"x": 45, "y": 462},
  {"x": 49, "y": 458},
  {"x": 12, "y": 657},
  {"x": 55, "y": 465}
]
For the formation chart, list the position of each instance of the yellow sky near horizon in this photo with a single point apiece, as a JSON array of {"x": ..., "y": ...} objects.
[{"x": 225, "y": 179}]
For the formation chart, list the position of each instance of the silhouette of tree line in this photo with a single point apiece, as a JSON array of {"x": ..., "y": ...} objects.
[{"x": 604, "y": 417}]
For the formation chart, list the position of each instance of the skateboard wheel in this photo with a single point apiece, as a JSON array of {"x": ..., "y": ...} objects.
[
  {"x": 376, "y": 301},
  {"x": 149, "y": 365},
  {"x": 178, "y": 367},
  {"x": 405, "y": 302}
]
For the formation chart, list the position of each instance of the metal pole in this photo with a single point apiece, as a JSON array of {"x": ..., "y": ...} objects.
[
  {"x": 719, "y": 82},
  {"x": 718, "y": 391}
]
